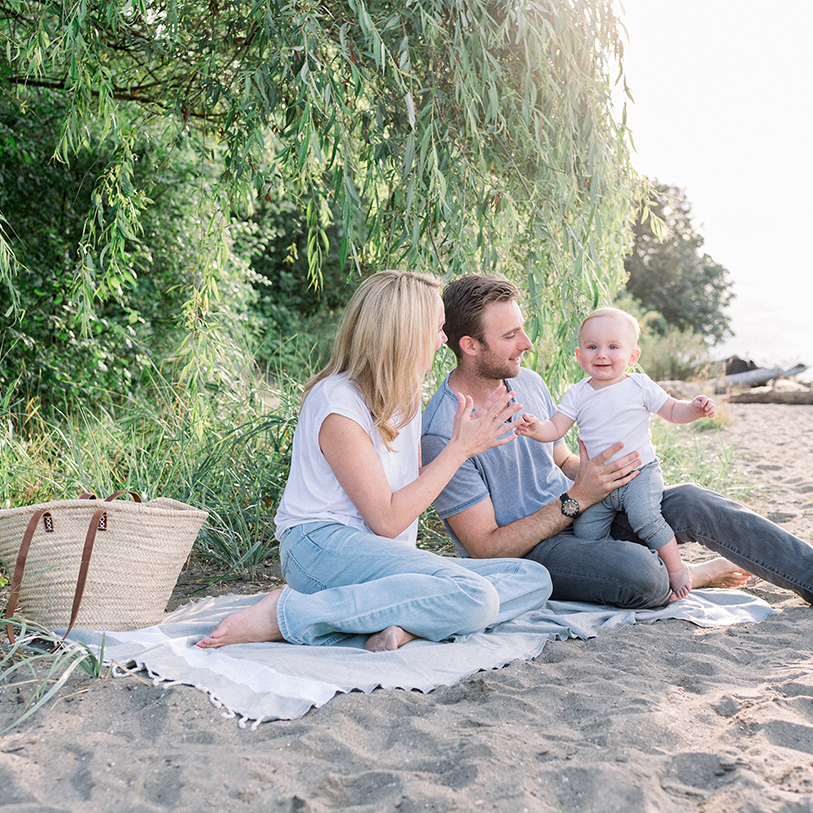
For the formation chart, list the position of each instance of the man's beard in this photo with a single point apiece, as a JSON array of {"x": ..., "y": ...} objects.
[{"x": 493, "y": 370}]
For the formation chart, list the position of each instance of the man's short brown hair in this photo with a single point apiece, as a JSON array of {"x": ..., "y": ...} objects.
[{"x": 465, "y": 299}]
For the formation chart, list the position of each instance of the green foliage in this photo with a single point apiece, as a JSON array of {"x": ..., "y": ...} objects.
[
  {"x": 43, "y": 346},
  {"x": 298, "y": 319},
  {"x": 673, "y": 354},
  {"x": 684, "y": 460},
  {"x": 670, "y": 275},
  {"x": 446, "y": 136},
  {"x": 44, "y": 669}
]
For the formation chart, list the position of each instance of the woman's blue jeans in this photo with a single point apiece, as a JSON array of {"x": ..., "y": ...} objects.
[{"x": 343, "y": 581}]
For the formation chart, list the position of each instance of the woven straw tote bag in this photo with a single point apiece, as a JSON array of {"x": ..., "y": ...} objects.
[{"x": 102, "y": 565}]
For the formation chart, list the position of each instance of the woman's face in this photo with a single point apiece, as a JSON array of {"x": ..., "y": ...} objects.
[{"x": 441, "y": 338}]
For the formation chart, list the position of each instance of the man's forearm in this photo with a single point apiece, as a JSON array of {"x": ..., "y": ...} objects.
[
  {"x": 517, "y": 538},
  {"x": 477, "y": 530}
]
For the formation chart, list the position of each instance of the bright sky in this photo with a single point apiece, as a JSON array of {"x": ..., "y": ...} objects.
[{"x": 723, "y": 109}]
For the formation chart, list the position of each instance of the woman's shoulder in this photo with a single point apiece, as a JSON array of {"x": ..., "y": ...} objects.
[
  {"x": 336, "y": 385},
  {"x": 336, "y": 393}
]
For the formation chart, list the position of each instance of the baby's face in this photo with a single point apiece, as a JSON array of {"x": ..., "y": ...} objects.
[{"x": 607, "y": 348}]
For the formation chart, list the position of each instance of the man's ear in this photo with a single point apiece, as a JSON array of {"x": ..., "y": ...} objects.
[
  {"x": 468, "y": 345},
  {"x": 636, "y": 354}
]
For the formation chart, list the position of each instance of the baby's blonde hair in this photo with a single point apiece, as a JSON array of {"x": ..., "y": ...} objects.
[
  {"x": 385, "y": 344},
  {"x": 617, "y": 314}
]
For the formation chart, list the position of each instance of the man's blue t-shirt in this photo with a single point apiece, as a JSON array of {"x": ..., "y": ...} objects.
[{"x": 520, "y": 477}]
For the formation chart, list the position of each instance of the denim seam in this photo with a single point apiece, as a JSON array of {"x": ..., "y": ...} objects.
[
  {"x": 285, "y": 629},
  {"x": 281, "y": 623}
]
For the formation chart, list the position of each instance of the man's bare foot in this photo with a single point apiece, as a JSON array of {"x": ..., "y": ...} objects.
[
  {"x": 254, "y": 624},
  {"x": 718, "y": 572},
  {"x": 389, "y": 639}
]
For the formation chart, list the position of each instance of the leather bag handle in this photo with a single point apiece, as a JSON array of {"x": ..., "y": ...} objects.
[
  {"x": 98, "y": 522},
  {"x": 19, "y": 568},
  {"x": 89, "y": 495},
  {"x": 136, "y": 497}
]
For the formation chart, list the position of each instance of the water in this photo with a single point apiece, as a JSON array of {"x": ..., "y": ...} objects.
[{"x": 772, "y": 327}]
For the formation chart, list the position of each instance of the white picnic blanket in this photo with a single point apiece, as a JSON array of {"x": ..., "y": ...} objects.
[{"x": 283, "y": 681}]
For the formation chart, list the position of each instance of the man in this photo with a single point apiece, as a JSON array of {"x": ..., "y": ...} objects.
[{"x": 520, "y": 499}]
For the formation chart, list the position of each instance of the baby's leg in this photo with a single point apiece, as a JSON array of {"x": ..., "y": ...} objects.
[
  {"x": 595, "y": 522},
  {"x": 641, "y": 501},
  {"x": 680, "y": 579}
]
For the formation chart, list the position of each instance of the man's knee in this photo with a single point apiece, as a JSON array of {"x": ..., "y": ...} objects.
[
  {"x": 692, "y": 509},
  {"x": 644, "y": 594},
  {"x": 645, "y": 585}
]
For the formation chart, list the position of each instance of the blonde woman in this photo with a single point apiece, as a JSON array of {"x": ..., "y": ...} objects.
[{"x": 347, "y": 522}]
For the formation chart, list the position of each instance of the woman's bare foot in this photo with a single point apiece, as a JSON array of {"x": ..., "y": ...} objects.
[
  {"x": 389, "y": 639},
  {"x": 718, "y": 572},
  {"x": 254, "y": 624}
]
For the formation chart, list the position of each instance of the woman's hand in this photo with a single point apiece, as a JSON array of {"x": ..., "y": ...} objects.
[{"x": 475, "y": 431}]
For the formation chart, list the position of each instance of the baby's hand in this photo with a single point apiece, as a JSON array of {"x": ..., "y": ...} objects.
[
  {"x": 703, "y": 407},
  {"x": 527, "y": 425}
]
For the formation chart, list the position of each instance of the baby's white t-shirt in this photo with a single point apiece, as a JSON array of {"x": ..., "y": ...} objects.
[{"x": 619, "y": 412}]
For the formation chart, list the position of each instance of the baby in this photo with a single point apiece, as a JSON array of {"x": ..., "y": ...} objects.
[{"x": 613, "y": 405}]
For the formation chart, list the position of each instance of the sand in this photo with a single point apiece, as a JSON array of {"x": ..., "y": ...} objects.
[{"x": 661, "y": 718}]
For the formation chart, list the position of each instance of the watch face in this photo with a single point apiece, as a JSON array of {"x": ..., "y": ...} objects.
[{"x": 570, "y": 507}]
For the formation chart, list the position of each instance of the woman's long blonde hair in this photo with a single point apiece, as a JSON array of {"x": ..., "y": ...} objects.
[{"x": 385, "y": 345}]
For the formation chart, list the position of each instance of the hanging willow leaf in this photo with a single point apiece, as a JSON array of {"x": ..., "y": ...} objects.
[{"x": 429, "y": 108}]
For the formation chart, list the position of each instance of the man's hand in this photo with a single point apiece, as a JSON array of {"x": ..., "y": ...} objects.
[{"x": 596, "y": 477}]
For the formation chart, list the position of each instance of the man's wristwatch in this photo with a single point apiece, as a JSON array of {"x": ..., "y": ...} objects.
[{"x": 570, "y": 508}]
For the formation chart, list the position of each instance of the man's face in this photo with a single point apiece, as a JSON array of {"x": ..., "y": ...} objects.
[{"x": 499, "y": 355}]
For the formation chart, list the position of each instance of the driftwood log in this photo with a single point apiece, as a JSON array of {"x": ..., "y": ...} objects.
[
  {"x": 768, "y": 395},
  {"x": 784, "y": 392},
  {"x": 754, "y": 378}
]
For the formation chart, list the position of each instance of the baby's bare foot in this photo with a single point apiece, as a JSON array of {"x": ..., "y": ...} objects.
[
  {"x": 254, "y": 624},
  {"x": 389, "y": 639},
  {"x": 680, "y": 581}
]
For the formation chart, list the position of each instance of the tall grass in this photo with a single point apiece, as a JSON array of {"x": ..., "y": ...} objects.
[
  {"x": 684, "y": 459},
  {"x": 224, "y": 450},
  {"x": 228, "y": 456},
  {"x": 39, "y": 660}
]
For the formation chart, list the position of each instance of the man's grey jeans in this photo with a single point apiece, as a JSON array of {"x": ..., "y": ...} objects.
[{"x": 623, "y": 572}]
